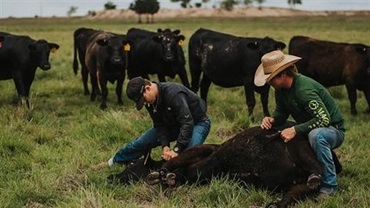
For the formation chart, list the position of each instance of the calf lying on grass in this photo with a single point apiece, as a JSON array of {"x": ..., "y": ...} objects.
[{"x": 255, "y": 156}]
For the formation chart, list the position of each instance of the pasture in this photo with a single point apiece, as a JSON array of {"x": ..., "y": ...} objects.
[{"x": 46, "y": 151}]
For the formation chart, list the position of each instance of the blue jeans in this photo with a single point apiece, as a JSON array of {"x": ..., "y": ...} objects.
[
  {"x": 150, "y": 139},
  {"x": 322, "y": 140}
]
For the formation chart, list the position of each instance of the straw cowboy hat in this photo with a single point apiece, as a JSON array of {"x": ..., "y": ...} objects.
[{"x": 272, "y": 64}]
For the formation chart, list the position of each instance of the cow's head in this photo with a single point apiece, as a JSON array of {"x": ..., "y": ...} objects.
[
  {"x": 116, "y": 47},
  {"x": 364, "y": 51},
  {"x": 266, "y": 45},
  {"x": 170, "y": 42},
  {"x": 40, "y": 51}
]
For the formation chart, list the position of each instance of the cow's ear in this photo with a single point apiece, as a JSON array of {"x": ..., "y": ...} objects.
[
  {"x": 280, "y": 45},
  {"x": 176, "y": 32},
  {"x": 253, "y": 45},
  {"x": 180, "y": 40},
  {"x": 102, "y": 42},
  {"x": 53, "y": 46},
  {"x": 361, "y": 49},
  {"x": 159, "y": 30},
  {"x": 127, "y": 45}
]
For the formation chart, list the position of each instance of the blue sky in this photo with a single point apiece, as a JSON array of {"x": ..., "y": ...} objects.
[{"x": 47, "y": 8}]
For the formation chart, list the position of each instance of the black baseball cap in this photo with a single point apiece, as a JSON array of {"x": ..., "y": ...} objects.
[{"x": 135, "y": 91}]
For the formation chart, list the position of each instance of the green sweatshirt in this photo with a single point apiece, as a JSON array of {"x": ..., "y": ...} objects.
[{"x": 309, "y": 104}]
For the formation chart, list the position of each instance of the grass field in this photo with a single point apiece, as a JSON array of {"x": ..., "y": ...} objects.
[{"x": 46, "y": 152}]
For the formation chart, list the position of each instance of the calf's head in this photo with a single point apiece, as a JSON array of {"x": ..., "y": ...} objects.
[
  {"x": 136, "y": 170},
  {"x": 40, "y": 51},
  {"x": 170, "y": 42}
]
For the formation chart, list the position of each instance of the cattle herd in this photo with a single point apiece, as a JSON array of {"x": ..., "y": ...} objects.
[
  {"x": 214, "y": 57},
  {"x": 223, "y": 59}
]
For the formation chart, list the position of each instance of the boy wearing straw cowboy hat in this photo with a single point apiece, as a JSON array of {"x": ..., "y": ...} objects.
[{"x": 311, "y": 106}]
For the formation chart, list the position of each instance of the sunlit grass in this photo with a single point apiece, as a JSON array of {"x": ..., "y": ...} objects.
[{"x": 46, "y": 152}]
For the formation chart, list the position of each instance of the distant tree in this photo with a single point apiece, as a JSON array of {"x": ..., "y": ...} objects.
[
  {"x": 71, "y": 11},
  {"x": 183, "y": 3},
  {"x": 260, "y": 2},
  {"x": 109, "y": 5},
  {"x": 292, "y": 3},
  {"x": 149, "y": 7},
  {"x": 198, "y": 5},
  {"x": 205, "y": 2},
  {"x": 229, "y": 4},
  {"x": 153, "y": 7},
  {"x": 247, "y": 2}
]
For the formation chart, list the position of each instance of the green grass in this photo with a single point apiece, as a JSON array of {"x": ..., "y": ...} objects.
[{"x": 46, "y": 152}]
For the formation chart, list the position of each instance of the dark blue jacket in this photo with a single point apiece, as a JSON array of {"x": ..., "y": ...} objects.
[{"x": 175, "y": 112}]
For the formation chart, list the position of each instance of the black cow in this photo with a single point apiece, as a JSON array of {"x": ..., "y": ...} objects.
[
  {"x": 19, "y": 57},
  {"x": 104, "y": 56},
  {"x": 229, "y": 61},
  {"x": 157, "y": 53},
  {"x": 333, "y": 64},
  {"x": 255, "y": 156}
]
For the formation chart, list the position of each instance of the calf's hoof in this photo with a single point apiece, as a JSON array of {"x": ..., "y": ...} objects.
[
  {"x": 153, "y": 178},
  {"x": 313, "y": 181},
  {"x": 170, "y": 179}
]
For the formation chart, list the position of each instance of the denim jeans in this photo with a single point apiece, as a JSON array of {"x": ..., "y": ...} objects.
[
  {"x": 150, "y": 139},
  {"x": 322, "y": 140}
]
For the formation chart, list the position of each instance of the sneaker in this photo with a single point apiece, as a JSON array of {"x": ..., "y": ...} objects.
[
  {"x": 328, "y": 190},
  {"x": 325, "y": 192},
  {"x": 313, "y": 181},
  {"x": 153, "y": 178}
]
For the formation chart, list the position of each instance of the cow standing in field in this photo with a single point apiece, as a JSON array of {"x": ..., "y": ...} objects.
[
  {"x": 19, "y": 57},
  {"x": 333, "y": 64},
  {"x": 157, "y": 53},
  {"x": 104, "y": 56},
  {"x": 229, "y": 61},
  {"x": 81, "y": 37},
  {"x": 255, "y": 156}
]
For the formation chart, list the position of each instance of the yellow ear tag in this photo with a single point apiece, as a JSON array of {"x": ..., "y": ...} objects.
[
  {"x": 181, "y": 42},
  {"x": 127, "y": 47},
  {"x": 53, "y": 50}
]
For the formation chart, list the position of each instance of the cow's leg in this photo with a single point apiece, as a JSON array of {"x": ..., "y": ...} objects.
[
  {"x": 250, "y": 99},
  {"x": 27, "y": 87},
  {"x": 183, "y": 76},
  {"x": 351, "y": 90},
  {"x": 195, "y": 72},
  {"x": 94, "y": 86},
  {"x": 19, "y": 85},
  {"x": 104, "y": 91},
  {"x": 85, "y": 77},
  {"x": 264, "y": 92},
  {"x": 367, "y": 96},
  {"x": 295, "y": 193},
  {"x": 184, "y": 167},
  {"x": 204, "y": 87},
  {"x": 119, "y": 90}
]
